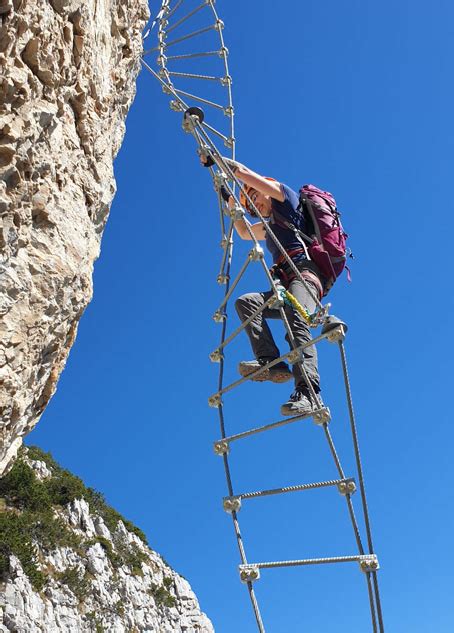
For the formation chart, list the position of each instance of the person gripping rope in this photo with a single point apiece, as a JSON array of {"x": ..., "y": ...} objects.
[{"x": 268, "y": 196}]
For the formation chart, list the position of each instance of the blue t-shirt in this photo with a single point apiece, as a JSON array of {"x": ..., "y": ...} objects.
[{"x": 288, "y": 209}]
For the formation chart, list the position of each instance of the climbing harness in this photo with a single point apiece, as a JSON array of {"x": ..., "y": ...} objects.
[{"x": 204, "y": 24}]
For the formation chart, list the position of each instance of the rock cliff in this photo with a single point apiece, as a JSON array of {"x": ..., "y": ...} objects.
[
  {"x": 69, "y": 562},
  {"x": 68, "y": 70}
]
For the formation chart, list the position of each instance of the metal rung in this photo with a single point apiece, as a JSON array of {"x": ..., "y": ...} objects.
[
  {"x": 194, "y": 34},
  {"x": 217, "y": 53},
  {"x": 194, "y": 76},
  {"x": 342, "y": 484},
  {"x": 215, "y": 131},
  {"x": 285, "y": 357},
  {"x": 187, "y": 16},
  {"x": 246, "y": 322},
  {"x": 365, "y": 561},
  {"x": 196, "y": 98},
  {"x": 267, "y": 427}
]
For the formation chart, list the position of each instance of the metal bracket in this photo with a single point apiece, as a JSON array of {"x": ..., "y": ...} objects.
[
  {"x": 161, "y": 59},
  {"x": 294, "y": 357},
  {"x": 223, "y": 51},
  {"x": 166, "y": 90},
  {"x": 347, "y": 487},
  {"x": 188, "y": 125},
  {"x": 249, "y": 573},
  {"x": 219, "y": 25},
  {"x": 236, "y": 212},
  {"x": 221, "y": 447},
  {"x": 176, "y": 106},
  {"x": 229, "y": 142},
  {"x": 219, "y": 180},
  {"x": 218, "y": 316},
  {"x": 276, "y": 302},
  {"x": 228, "y": 111},
  {"x": 204, "y": 151},
  {"x": 222, "y": 279},
  {"x": 225, "y": 242},
  {"x": 215, "y": 401},
  {"x": 231, "y": 504},
  {"x": 216, "y": 356},
  {"x": 256, "y": 253},
  {"x": 335, "y": 329},
  {"x": 368, "y": 563},
  {"x": 337, "y": 334},
  {"x": 226, "y": 81},
  {"x": 322, "y": 416}
]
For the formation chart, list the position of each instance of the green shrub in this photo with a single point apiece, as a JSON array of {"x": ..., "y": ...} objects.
[
  {"x": 21, "y": 488},
  {"x": 131, "y": 556},
  {"x": 27, "y": 516},
  {"x": 95, "y": 623},
  {"x": 15, "y": 538},
  {"x": 124, "y": 554},
  {"x": 51, "y": 531},
  {"x": 167, "y": 582},
  {"x": 110, "y": 516},
  {"x": 162, "y": 596},
  {"x": 64, "y": 487},
  {"x": 77, "y": 582},
  {"x": 37, "y": 454}
]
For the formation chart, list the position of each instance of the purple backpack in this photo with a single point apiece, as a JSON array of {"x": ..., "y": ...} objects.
[{"x": 326, "y": 239}]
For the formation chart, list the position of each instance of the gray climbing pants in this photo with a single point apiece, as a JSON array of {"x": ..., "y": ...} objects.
[{"x": 259, "y": 333}]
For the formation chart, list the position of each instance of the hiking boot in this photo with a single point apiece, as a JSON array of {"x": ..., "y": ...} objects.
[
  {"x": 278, "y": 373},
  {"x": 299, "y": 403}
]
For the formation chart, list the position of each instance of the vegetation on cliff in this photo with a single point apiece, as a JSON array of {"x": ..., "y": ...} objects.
[{"x": 31, "y": 524}]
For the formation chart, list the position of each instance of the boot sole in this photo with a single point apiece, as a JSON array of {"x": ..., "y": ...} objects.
[
  {"x": 272, "y": 376},
  {"x": 290, "y": 412}
]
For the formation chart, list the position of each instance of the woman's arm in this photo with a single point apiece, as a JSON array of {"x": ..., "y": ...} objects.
[
  {"x": 267, "y": 187},
  {"x": 257, "y": 229}
]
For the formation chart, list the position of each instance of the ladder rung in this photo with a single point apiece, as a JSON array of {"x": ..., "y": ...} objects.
[
  {"x": 291, "y": 357},
  {"x": 221, "y": 445},
  {"x": 346, "y": 482},
  {"x": 365, "y": 560}
]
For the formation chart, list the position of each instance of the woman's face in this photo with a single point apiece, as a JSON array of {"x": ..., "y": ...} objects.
[{"x": 262, "y": 202}]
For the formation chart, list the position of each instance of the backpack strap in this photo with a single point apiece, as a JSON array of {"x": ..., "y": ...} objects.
[
  {"x": 288, "y": 225},
  {"x": 302, "y": 238}
]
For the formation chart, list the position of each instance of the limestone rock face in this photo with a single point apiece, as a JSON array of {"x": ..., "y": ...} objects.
[
  {"x": 67, "y": 79},
  {"x": 107, "y": 580}
]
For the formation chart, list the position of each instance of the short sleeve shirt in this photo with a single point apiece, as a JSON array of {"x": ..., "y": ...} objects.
[{"x": 287, "y": 209}]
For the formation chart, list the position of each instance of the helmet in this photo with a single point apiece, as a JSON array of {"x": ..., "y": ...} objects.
[{"x": 247, "y": 190}]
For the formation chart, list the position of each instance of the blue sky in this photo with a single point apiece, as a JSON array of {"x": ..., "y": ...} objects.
[{"x": 355, "y": 97}]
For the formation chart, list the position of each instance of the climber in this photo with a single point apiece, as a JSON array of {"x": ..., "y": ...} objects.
[{"x": 268, "y": 195}]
